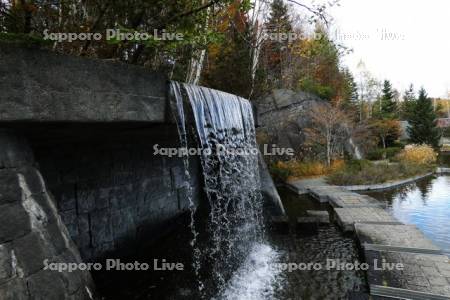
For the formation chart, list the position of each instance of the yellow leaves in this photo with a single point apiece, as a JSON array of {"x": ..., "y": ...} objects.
[
  {"x": 418, "y": 154},
  {"x": 299, "y": 169}
]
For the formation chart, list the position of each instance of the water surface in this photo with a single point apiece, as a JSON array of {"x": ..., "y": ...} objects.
[{"x": 426, "y": 204}]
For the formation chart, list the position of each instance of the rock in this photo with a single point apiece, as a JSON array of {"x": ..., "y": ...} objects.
[
  {"x": 321, "y": 216},
  {"x": 282, "y": 113},
  {"x": 14, "y": 222},
  {"x": 280, "y": 224},
  {"x": 272, "y": 200},
  {"x": 10, "y": 191}
]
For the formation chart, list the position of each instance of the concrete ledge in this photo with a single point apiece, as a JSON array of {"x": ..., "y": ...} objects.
[
  {"x": 386, "y": 185},
  {"x": 43, "y": 86},
  {"x": 443, "y": 171}
]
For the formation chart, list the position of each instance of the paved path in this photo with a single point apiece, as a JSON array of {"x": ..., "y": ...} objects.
[{"x": 403, "y": 263}]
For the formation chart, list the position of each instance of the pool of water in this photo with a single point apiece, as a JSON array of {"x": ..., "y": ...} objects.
[
  {"x": 257, "y": 278},
  {"x": 426, "y": 204},
  {"x": 329, "y": 243}
]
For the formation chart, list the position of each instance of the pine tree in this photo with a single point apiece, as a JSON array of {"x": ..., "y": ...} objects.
[
  {"x": 279, "y": 23},
  {"x": 409, "y": 99},
  {"x": 351, "y": 97},
  {"x": 423, "y": 122},
  {"x": 388, "y": 109}
]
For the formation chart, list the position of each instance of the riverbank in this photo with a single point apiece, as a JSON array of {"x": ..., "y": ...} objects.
[{"x": 301, "y": 186}]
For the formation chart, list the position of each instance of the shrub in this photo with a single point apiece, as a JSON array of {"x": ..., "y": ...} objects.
[
  {"x": 376, "y": 173},
  {"x": 381, "y": 153},
  {"x": 282, "y": 171},
  {"x": 418, "y": 154}
]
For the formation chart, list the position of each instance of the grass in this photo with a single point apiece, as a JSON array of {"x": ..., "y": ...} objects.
[
  {"x": 366, "y": 172},
  {"x": 294, "y": 169}
]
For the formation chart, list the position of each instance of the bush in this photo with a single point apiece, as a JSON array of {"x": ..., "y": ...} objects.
[
  {"x": 418, "y": 154},
  {"x": 282, "y": 171},
  {"x": 381, "y": 153},
  {"x": 376, "y": 173}
]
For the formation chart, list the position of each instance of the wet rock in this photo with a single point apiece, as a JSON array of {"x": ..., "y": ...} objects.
[
  {"x": 280, "y": 224},
  {"x": 321, "y": 216}
]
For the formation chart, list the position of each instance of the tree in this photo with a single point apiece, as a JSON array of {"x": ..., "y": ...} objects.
[
  {"x": 388, "y": 105},
  {"x": 422, "y": 127},
  {"x": 368, "y": 91},
  {"x": 276, "y": 50},
  {"x": 350, "y": 92},
  {"x": 386, "y": 130},
  {"x": 328, "y": 129},
  {"x": 409, "y": 99}
]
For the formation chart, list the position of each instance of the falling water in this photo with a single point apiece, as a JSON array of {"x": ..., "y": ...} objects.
[
  {"x": 181, "y": 125},
  {"x": 226, "y": 133},
  {"x": 355, "y": 149}
]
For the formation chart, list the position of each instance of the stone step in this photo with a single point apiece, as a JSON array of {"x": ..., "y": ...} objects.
[
  {"x": 393, "y": 235},
  {"x": 377, "y": 247},
  {"x": 419, "y": 273},
  {"x": 397, "y": 293},
  {"x": 322, "y": 216},
  {"x": 323, "y": 193},
  {"x": 353, "y": 200},
  {"x": 347, "y": 217}
]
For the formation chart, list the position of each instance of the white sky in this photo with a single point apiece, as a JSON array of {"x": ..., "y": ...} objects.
[{"x": 419, "y": 54}]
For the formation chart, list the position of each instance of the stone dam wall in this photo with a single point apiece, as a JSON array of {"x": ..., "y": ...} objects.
[{"x": 78, "y": 178}]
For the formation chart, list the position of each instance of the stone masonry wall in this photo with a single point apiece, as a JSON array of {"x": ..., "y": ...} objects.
[
  {"x": 112, "y": 193},
  {"x": 31, "y": 232}
]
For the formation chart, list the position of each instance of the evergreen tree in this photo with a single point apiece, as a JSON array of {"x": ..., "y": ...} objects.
[
  {"x": 423, "y": 122},
  {"x": 409, "y": 99},
  {"x": 350, "y": 92},
  {"x": 279, "y": 23},
  {"x": 388, "y": 106}
]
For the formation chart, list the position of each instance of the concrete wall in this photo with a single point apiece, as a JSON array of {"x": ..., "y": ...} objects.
[
  {"x": 113, "y": 194},
  {"x": 38, "y": 85},
  {"x": 31, "y": 231}
]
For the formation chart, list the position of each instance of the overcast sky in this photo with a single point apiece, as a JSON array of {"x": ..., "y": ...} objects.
[{"x": 418, "y": 53}]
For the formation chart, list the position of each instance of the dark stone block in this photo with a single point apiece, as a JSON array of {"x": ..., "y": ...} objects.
[
  {"x": 183, "y": 198},
  {"x": 65, "y": 197},
  {"x": 280, "y": 224},
  {"x": 120, "y": 195},
  {"x": 68, "y": 88},
  {"x": 178, "y": 177},
  {"x": 33, "y": 180},
  {"x": 43, "y": 200},
  {"x": 15, "y": 151},
  {"x": 46, "y": 285},
  {"x": 10, "y": 190},
  {"x": 103, "y": 198},
  {"x": 31, "y": 251},
  {"x": 322, "y": 216},
  {"x": 86, "y": 200},
  {"x": 14, "y": 222},
  {"x": 69, "y": 217},
  {"x": 15, "y": 289},
  {"x": 101, "y": 227},
  {"x": 123, "y": 223},
  {"x": 6, "y": 270},
  {"x": 56, "y": 238}
]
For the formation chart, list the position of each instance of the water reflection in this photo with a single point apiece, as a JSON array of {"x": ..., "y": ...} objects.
[
  {"x": 327, "y": 243},
  {"x": 425, "y": 204}
]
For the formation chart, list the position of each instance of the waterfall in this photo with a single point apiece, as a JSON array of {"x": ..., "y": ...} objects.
[
  {"x": 225, "y": 131},
  {"x": 355, "y": 149}
]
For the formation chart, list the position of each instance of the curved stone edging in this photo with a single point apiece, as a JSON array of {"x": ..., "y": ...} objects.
[{"x": 386, "y": 185}]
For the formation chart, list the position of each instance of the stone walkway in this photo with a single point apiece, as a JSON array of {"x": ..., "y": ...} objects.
[{"x": 402, "y": 262}]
